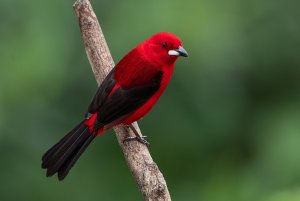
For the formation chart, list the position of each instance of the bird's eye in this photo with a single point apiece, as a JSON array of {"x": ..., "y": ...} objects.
[{"x": 164, "y": 45}]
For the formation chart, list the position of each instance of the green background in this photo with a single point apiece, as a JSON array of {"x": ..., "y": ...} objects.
[{"x": 227, "y": 128}]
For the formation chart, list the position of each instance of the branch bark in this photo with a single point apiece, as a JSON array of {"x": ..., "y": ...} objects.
[{"x": 150, "y": 180}]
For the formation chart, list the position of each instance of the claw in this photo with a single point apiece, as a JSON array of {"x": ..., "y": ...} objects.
[{"x": 139, "y": 139}]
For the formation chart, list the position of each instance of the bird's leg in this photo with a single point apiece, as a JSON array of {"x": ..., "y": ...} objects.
[{"x": 137, "y": 136}]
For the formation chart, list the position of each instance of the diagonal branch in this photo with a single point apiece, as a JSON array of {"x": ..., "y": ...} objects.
[{"x": 150, "y": 180}]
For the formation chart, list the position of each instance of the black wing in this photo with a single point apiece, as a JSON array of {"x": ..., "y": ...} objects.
[
  {"x": 102, "y": 93},
  {"x": 124, "y": 101}
]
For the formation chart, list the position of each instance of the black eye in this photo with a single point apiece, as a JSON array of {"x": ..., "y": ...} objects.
[{"x": 164, "y": 45}]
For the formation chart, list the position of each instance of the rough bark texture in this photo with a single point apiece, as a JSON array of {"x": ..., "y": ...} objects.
[{"x": 150, "y": 180}]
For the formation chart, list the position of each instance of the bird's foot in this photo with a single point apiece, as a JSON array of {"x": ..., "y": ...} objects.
[{"x": 140, "y": 139}]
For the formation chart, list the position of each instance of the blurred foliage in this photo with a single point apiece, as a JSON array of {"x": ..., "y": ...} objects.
[{"x": 227, "y": 128}]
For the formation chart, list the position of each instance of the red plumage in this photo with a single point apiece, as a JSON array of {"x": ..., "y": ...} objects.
[{"x": 128, "y": 93}]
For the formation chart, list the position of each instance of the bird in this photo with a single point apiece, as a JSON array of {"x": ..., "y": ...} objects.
[{"x": 128, "y": 93}]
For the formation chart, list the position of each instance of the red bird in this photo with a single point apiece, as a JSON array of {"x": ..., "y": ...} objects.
[{"x": 128, "y": 92}]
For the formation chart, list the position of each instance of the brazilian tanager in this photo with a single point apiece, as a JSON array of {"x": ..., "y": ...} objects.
[{"x": 127, "y": 93}]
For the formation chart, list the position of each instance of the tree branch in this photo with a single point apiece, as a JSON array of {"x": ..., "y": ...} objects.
[{"x": 150, "y": 180}]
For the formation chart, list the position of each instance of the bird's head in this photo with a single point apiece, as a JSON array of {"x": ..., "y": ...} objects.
[{"x": 164, "y": 48}]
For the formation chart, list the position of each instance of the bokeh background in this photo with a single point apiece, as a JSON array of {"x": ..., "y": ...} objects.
[{"x": 227, "y": 128}]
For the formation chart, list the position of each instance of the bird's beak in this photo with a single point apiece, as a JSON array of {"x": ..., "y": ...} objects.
[{"x": 179, "y": 52}]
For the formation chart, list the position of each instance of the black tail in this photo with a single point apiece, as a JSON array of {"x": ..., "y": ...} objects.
[{"x": 63, "y": 155}]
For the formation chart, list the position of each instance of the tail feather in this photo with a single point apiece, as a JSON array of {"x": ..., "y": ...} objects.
[
  {"x": 65, "y": 168},
  {"x": 65, "y": 151},
  {"x": 64, "y": 154},
  {"x": 54, "y": 148}
]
